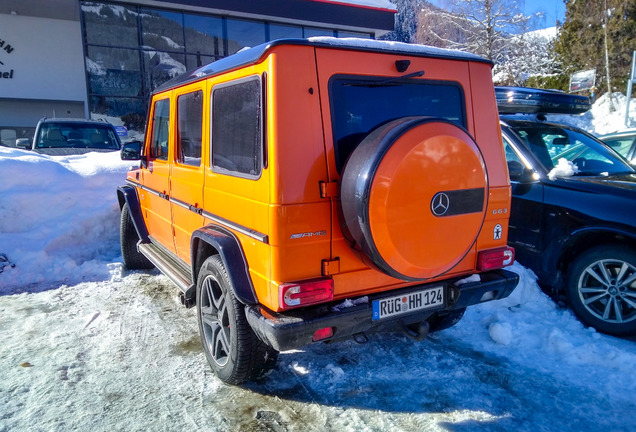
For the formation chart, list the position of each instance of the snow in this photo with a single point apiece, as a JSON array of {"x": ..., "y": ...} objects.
[
  {"x": 563, "y": 168},
  {"x": 87, "y": 345}
]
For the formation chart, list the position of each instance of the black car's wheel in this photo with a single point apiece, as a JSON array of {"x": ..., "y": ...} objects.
[
  {"x": 133, "y": 259},
  {"x": 601, "y": 289},
  {"x": 234, "y": 352}
]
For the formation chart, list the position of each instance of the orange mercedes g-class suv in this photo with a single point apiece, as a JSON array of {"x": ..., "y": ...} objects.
[{"x": 316, "y": 190}]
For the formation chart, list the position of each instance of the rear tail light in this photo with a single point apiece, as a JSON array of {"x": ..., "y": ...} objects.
[
  {"x": 495, "y": 258},
  {"x": 291, "y": 295}
]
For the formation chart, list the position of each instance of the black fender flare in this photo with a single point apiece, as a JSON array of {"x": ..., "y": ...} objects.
[
  {"x": 564, "y": 247},
  {"x": 227, "y": 246},
  {"x": 128, "y": 194}
]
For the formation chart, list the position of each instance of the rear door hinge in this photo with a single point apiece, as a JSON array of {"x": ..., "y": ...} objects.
[
  {"x": 328, "y": 189},
  {"x": 330, "y": 267}
]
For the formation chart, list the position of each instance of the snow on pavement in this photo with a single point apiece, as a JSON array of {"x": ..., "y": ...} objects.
[{"x": 123, "y": 354}]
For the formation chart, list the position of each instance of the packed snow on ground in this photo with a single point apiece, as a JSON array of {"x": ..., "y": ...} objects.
[{"x": 87, "y": 345}]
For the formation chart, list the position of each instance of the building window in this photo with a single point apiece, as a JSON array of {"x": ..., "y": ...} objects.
[
  {"x": 113, "y": 71},
  {"x": 132, "y": 50},
  {"x": 279, "y": 31},
  {"x": 349, "y": 34},
  {"x": 110, "y": 25},
  {"x": 162, "y": 30},
  {"x": 204, "y": 35},
  {"x": 243, "y": 33},
  {"x": 314, "y": 31},
  {"x": 236, "y": 128}
]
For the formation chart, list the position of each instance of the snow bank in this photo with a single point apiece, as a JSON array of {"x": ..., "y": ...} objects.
[
  {"x": 603, "y": 118},
  {"x": 58, "y": 216},
  {"x": 530, "y": 328}
]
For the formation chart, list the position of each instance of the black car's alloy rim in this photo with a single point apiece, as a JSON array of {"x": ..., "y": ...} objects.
[
  {"x": 216, "y": 321},
  {"x": 607, "y": 289}
]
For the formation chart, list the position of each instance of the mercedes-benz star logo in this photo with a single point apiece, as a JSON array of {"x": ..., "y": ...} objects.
[{"x": 440, "y": 204}]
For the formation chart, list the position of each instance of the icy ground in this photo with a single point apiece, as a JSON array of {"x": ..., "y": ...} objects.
[{"x": 85, "y": 345}]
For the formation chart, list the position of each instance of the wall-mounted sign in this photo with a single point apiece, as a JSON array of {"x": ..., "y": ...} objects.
[{"x": 5, "y": 48}]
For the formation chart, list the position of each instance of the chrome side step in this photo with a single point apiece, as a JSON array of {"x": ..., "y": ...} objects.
[{"x": 169, "y": 265}]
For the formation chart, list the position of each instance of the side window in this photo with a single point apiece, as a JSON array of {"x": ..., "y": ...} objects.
[
  {"x": 237, "y": 144},
  {"x": 160, "y": 123},
  {"x": 189, "y": 128},
  {"x": 511, "y": 156}
]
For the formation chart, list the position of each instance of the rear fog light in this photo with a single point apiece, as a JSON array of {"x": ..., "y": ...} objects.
[
  {"x": 495, "y": 258},
  {"x": 322, "y": 334}
]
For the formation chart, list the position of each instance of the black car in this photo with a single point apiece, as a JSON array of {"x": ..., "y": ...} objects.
[
  {"x": 573, "y": 215},
  {"x": 56, "y": 136}
]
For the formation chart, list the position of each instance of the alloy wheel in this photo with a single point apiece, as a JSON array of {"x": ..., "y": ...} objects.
[
  {"x": 607, "y": 289},
  {"x": 216, "y": 321}
]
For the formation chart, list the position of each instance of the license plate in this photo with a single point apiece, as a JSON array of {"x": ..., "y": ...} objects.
[{"x": 398, "y": 305}]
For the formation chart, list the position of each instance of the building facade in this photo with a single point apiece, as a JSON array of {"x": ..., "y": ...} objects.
[{"x": 102, "y": 59}]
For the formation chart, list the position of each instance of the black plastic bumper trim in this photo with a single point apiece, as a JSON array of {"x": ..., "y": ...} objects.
[{"x": 294, "y": 329}]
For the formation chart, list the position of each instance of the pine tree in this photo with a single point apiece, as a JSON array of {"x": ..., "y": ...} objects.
[
  {"x": 581, "y": 40},
  {"x": 405, "y": 21}
]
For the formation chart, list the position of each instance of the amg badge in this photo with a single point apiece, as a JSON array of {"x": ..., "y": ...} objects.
[{"x": 308, "y": 234}]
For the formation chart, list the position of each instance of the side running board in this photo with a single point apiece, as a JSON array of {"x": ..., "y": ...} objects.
[{"x": 172, "y": 267}]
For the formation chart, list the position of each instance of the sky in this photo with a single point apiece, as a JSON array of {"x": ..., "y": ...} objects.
[{"x": 553, "y": 10}]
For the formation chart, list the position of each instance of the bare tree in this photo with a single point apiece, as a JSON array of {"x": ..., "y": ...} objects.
[
  {"x": 495, "y": 29},
  {"x": 483, "y": 27}
]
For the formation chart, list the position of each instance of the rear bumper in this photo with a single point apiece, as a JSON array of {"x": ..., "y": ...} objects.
[{"x": 294, "y": 329}]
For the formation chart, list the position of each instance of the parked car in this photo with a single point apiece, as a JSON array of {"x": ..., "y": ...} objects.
[
  {"x": 55, "y": 136},
  {"x": 623, "y": 143},
  {"x": 573, "y": 213},
  {"x": 283, "y": 190}
]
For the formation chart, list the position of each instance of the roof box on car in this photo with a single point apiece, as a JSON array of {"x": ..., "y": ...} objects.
[{"x": 526, "y": 100}]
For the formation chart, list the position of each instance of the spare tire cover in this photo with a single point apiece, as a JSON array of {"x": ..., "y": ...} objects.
[{"x": 413, "y": 197}]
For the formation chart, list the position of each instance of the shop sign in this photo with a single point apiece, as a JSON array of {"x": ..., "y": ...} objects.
[{"x": 5, "y": 71}]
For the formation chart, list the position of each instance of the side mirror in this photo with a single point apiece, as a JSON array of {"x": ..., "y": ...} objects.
[
  {"x": 23, "y": 143},
  {"x": 519, "y": 173},
  {"x": 131, "y": 151}
]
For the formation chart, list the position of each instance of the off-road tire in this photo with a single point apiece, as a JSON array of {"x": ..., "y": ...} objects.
[
  {"x": 128, "y": 237},
  {"x": 231, "y": 347},
  {"x": 601, "y": 289}
]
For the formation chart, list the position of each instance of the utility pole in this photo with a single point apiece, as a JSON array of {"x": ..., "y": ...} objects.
[{"x": 607, "y": 71}]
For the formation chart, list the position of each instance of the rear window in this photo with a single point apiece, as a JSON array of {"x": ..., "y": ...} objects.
[{"x": 361, "y": 104}]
